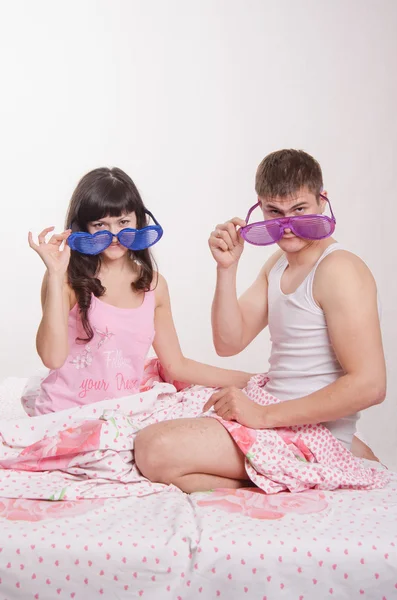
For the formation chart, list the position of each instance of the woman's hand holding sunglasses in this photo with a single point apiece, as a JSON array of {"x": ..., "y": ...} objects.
[
  {"x": 226, "y": 244},
  {"x": 55, "y": 253}
]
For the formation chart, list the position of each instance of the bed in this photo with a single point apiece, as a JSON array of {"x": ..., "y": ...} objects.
[{"x": 162, "y": 543}]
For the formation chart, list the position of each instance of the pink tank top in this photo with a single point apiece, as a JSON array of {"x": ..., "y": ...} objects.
[{"x": 109, "y": 366}]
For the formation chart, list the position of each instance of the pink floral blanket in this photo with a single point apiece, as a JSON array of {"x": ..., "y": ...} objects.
[{"x": 88, "y": 451}]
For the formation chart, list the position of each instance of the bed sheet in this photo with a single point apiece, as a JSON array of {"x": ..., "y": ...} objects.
[{"x": 220, "y": 544}]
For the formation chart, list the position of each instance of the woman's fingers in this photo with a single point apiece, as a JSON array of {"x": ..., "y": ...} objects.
[
  {"x": 31, "y": 242},
  {"x": 58, "y": 238},
  {"x": 44, "y": 233}
]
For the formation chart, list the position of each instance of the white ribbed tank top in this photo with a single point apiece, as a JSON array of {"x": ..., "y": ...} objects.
[{"x": 302, "y": 359}]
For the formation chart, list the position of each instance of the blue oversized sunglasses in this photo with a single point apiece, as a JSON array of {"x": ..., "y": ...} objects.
[{"x": 133, "y": 239}]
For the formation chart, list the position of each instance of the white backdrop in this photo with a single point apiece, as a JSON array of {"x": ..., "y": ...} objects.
[{"x": 188, "y": 96}]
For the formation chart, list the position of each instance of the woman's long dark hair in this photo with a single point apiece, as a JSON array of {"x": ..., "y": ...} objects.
[{"x": 103, "y": 193}]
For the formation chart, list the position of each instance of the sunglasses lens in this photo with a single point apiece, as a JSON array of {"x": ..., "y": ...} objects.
[
  {"x": 262, "y": 234},
  {"x": 313, "y": 228},
  {"x": 127, "y": 237},
  {"x": 86, "y": 243},
  {"x": 140, "y": 239}
]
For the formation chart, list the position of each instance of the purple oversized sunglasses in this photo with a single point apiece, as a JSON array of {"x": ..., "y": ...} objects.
[{"x": 308, "y": 227}]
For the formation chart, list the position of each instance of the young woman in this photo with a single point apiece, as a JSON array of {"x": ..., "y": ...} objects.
[{"x": 103, "y": 303}]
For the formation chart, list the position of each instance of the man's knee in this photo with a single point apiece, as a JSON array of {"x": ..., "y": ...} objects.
[{"x": 152, "y": 451}]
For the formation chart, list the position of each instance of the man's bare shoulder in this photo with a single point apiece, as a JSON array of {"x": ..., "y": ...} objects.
[
  {"x": 269, "y": 264},
  {"x": 341, "y": 263},
  {"x": 340, "y": 272}
]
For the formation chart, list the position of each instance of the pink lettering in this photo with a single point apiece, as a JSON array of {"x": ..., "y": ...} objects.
[
  {"x": 91, "y": 384},
  {"x": 126, "y": 384}
]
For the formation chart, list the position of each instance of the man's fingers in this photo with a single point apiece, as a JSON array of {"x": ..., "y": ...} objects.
[
  {"x": 232, "y": 231},
  {"x": 238, "y": 221},
  {"x": 218, "y": 242},
  {"x": 241, "y": 240},
  {"x": 225, "y": 236},
  {"x": 215, "y": 236},
  {"x": 223, "y": 245},
  {"x": 209, "y": 404},
  {"x": 219, "y": 394},
  {"x": 214, "y": 398},
  {"x": 224, "y": 408},
  {"x": 228, "y": 415},
  {"x": 222, "y": 412},
  {"x": 218, "y": 401},
  {"x": 221, "y": 404},
  {"x": 228, "y": 233}
]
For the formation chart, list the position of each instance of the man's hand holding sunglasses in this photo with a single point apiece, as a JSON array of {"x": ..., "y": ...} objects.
[{"x": 226, "y": 244}]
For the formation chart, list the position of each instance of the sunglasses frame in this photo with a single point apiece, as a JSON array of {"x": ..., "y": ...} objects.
[
  {"x": 83, "y": 234},
  {"x": 283, "y": 223}
]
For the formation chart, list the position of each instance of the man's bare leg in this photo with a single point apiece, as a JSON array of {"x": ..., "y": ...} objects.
[
  {"x": 361, "y": 450},
  {"x": 200, "y": 482},
  {"x": 192, "y": 454}
]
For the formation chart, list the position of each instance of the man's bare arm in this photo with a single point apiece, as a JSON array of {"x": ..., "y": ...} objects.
[{"x": 236, "y": 322}]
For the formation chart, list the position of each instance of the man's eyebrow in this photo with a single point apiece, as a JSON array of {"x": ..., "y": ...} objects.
[{"x": 299, "y": 205}]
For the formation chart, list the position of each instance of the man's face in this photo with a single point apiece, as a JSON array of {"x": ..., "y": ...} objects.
[{"x": 300, "y": 203}]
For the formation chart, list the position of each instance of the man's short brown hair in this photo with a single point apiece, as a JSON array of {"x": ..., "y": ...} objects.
[{"x": 285, "y": 172}]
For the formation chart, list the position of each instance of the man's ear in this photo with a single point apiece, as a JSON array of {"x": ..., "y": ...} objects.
[{"x": 322, "y": 201}]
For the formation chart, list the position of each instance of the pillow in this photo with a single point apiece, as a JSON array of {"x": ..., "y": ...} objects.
[{"x": 11, "y": 390}]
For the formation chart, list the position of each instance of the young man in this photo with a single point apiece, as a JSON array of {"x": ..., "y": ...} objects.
[{"x": 320, "y": 302}]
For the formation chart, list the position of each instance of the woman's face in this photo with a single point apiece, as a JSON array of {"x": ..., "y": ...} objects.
[{"x": 114, "y": 225}]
